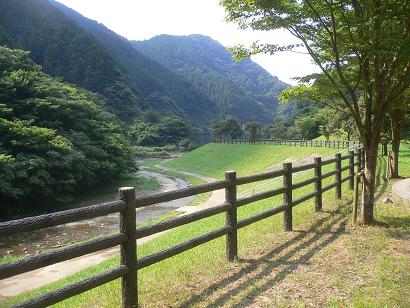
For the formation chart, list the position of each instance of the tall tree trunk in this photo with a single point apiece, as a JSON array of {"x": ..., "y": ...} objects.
[
  {"x": 397, "y": 118},
  {"x": 369, "y": 183}
]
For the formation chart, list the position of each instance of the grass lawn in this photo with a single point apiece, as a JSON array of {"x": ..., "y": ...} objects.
[
  {"x": 214, "y": 159},
  {"x": 325, "y": 261}
]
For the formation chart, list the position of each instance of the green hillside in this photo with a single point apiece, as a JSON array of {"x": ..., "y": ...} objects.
[
  {"x": 67, "y": 51},
  {"x": 214, "y": 158},
  {"x": 56, "y": 140},
  {"x": 242, "y": 88},
  {"x": 200, "y": 83},
  {"x": 160, "y": 88}
]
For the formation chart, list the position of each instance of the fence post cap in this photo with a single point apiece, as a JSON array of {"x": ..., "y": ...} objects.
[
  {"x": 126, "y": 188},
  {"x": 287, "y": 164},
  {"x": 126, "y": 192}
]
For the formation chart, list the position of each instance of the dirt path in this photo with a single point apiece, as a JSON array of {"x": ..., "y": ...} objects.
[
  {"x": 217, "y": 196},
  {"x": 16, "y": 285}
]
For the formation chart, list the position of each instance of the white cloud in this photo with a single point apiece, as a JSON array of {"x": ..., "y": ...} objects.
[{"x": 143, "y": 19}]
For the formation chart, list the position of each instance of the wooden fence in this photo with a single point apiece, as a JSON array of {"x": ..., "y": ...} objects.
[
  {"x": 128, "y": 233},
  {"x": 339, "y": 144}
]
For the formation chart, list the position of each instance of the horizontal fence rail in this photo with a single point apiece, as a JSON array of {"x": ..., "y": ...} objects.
[
  {"x": 128, "y": 233},
  {"x": 303, "y": 143}
]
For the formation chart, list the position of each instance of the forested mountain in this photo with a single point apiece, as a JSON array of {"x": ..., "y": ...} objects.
[
  {"x": 88, "y": 54},
  {"x": 65, "y": 50},
  {"x": 55, "y": 139},
  {"x": 242, "y": 88},
  {"x": 192, "y": 76},
  {"x": 161, "y": 88}
]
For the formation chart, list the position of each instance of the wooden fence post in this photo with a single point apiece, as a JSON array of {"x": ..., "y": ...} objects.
[
  {"x": 359, "y": 160},
  {"x": 231, "y": 217},
  {"x": 351, "y": 170},
  {"x": 357, "y": 179},
  {"x": 287, "y": 196},
  {"x": 385, "y": 149},
  {"x": 318, "y": 184},
  {"x": 129, "y": 285},
  {"x": 363, "y": 159},
  {"x": 338, "y": 176}
]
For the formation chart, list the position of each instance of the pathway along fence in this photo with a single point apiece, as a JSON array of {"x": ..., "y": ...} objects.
[
  {"x": 303, "y": 143},
  {"x": 128, "y": 234}
]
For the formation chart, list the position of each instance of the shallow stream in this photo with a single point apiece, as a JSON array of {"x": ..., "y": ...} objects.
[{"x": 31, "y": 243}]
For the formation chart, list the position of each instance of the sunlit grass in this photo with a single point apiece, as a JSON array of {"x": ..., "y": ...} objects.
[{"x": 173, "y": 281}]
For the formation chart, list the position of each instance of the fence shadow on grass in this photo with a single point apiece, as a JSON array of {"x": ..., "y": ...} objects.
[{"x": 310, "y": 242}]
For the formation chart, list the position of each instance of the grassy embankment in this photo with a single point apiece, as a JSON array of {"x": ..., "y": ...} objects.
[{"x": 326, "y": 261}]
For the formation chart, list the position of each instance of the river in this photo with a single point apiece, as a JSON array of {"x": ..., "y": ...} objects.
[{"x": 32, "y": 243}]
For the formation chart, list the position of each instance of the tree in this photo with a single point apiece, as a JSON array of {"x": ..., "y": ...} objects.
[
  {"x": 253, "y": 130},
  {"x": 156, "y": 130},
  {"x": 233, "y": 128},
  {"x": 228, "y": 127},
  {"x": 55, "y": 139},
  {"x": 277, "y": 130},
  {"x": 397, "y": 117},
  {"x": 306, "y": 126},
  {"x": 362, "y": 48}
]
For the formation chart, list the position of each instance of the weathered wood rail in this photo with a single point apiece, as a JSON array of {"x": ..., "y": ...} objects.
[
  {"x": 128, "y": 234},
  {"x": 337, "y": 144}
]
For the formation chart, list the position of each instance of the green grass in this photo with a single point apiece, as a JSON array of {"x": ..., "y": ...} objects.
[
  {"x": 141, "y": 151},
  {"x": 174, "y": 281},
  {"x": 213, "y": 159},
  {"x": 404, "y": 161}
]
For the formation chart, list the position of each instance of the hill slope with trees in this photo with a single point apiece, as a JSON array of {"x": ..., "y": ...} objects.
[
  {"x": 55, "y": 139},
  {"x": 86, "y": 53},
  {"x": 67, "y": 51},
  {"x": 242, "y": 89},
  {"x": 161, "y": 89},
  {"x": 193, "y": 76}
]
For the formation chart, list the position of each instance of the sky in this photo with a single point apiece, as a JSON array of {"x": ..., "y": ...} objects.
[{"x": 143, "y": 19}]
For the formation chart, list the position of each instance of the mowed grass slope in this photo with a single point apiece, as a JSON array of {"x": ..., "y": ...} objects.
[
  {"x": 214, "y": 159},
  {"x": 275, "y": 267}
]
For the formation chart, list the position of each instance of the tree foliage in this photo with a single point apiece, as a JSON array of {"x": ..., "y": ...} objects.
[
  {"x": 253, "y": 130},
  {"x": 55, "y": 139},
  {"x": 362, "y": 48},
  {"x": 154, "y": 129},
  {"x": 226, "y": 128},
  {"x": 243, "y": 90}
]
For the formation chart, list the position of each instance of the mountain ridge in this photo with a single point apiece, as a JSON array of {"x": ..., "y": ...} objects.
[
  {"x": 86, "y": 53},
  {"x": 200, "y": 58}
]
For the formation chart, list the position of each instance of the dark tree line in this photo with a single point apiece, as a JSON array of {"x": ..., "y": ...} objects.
[{"x": 55, "y": 139}]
